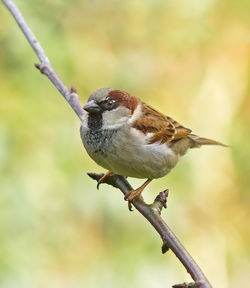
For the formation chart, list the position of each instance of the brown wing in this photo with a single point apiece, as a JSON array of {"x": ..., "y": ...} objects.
[{"x": 165, "y": 129}]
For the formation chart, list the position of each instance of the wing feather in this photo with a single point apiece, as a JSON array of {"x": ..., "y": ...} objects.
[{"x": 165, "y": 129}]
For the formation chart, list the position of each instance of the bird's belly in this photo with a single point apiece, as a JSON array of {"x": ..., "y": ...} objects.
[
  {"x": 145, "y": 162},
  {"x": 134, "y": 158},
  {"x": 125, "y": 155}
]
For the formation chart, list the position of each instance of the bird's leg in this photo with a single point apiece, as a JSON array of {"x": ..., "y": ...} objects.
[
  {"x": 137, "y": 192},
  {"x": 101, "y": 180}
]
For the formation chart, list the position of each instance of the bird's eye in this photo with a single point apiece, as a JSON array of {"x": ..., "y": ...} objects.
[{"x": 108, "y": 104}]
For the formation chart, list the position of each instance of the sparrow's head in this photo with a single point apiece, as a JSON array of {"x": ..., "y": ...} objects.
[{"x": 113, "y": 108}]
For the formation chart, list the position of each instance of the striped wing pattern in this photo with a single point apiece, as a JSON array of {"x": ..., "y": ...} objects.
[{"x": 165, "y": 129}]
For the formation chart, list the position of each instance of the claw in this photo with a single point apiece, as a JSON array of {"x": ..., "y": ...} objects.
[
  {"x": 102, "y": 179},
  {"x": 130, "y": 207},
  {"x": 98, "y": 184},
  {"x": 131, "y": 195}
]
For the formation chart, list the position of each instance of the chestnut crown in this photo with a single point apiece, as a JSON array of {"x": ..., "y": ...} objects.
[{"x": 105, "y": 99}]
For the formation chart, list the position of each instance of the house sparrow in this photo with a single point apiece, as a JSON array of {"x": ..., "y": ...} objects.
[{"x": 126, "y": 136}]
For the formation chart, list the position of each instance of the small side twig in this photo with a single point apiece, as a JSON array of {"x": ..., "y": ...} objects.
[
  {"x": 151, "y": 212},
  {"x": 161, "y": 199}
]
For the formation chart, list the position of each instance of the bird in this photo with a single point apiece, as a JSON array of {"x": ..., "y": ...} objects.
[{"x": 128, "y": 137}]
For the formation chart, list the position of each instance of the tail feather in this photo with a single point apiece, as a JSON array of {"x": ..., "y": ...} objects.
[{"x": 198, "y": 141}]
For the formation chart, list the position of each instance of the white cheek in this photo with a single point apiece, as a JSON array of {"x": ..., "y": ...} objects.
[{"x": 116, "y": 118}]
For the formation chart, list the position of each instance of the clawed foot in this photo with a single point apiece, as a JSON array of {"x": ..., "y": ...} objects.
[
  {"x": 131, "y": 195},
  {"x": 101, "y": 180}
]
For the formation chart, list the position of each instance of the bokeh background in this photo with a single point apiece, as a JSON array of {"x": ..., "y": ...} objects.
[{"x": 190, "y": 59}]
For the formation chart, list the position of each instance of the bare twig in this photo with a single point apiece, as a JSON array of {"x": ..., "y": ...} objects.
[
  {"x": 151, "y": 212},
  {"x": 45, "y": 66}
]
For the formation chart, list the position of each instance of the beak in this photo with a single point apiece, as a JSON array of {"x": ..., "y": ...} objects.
[{"x": 92, "y": 107}]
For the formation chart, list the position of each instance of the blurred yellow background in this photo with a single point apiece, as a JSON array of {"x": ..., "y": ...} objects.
[{"x": 190, "y": 59}]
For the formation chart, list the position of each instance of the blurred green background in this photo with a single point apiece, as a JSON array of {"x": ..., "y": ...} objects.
[{"x": 190, "y": 59}]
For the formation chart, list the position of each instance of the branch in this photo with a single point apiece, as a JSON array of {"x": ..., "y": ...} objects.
[
  {"x": 45, "y": 66},
  {"x": 151, "y": 212}
]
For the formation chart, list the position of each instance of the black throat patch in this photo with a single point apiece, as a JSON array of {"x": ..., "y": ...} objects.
[{"x": 95, "y": 121}]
